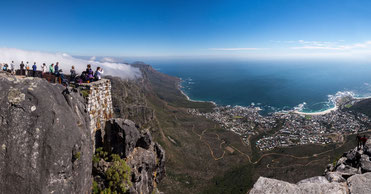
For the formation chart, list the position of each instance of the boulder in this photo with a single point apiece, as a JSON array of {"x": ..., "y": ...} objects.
[
  {"x": 121, "y": 136},
  {"x": 346, "y": 171},
  {"x": 316, "y": 185},
  {"x": 272, "y": 186},
  {"x": 335, "y": 177},
  {"x": 328, "y": 188},
  {"x": 145, "y": 140},
  {"x": 316, "y": 179},
  {"x": 342, "y": 160},
  {"x": 366, "y": 166},
  {"x": 45, "y": 144},
  {"x": 360, "y": 183}
]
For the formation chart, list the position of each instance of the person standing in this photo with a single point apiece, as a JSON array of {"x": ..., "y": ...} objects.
[
  {"x": 51, "y": 69},
  {"x": 34, "y": 68},
  {"x": 12, "y": 69},
  {"x": 21, "y": 67},
  {"x": 43, "y": 69},
  {"x": 56, "y": 69},
  {"x": 27, "y": 68}
]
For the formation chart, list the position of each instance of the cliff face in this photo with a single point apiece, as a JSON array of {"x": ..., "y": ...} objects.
[
  {"x": 145, "y": 158},
  {"x": 350, "y": 174},
  {"x": 129, "y": 102},
  {"x": 45, "y": 143}
]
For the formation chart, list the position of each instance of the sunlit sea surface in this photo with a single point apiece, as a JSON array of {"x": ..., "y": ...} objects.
[{"x": 308, "y": 87}]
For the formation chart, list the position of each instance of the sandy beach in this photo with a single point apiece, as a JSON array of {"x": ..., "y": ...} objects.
[{"x": 318, "y": 113}]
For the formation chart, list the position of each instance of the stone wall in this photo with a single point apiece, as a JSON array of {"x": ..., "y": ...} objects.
[{"x": 98, "y": 103}]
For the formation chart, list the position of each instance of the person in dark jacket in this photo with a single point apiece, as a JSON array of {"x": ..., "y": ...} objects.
[
  {"x": 21, "y": 67},
  {"x": 56, "y": 69}
]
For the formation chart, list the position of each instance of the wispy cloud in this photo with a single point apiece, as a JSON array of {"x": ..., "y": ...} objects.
[
  {"x": 236, "y": 49},
  {"x": 321, "y": 45}
]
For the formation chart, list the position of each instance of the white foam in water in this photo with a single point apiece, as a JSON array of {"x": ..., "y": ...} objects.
[{"x": 332, "y": 103}]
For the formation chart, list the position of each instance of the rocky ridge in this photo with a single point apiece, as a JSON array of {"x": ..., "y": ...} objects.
[
  {"x": 350, "y": 174},
  {"x": 47, "y": 147}
]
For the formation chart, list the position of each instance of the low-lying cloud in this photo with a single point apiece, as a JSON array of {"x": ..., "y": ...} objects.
[{"x": 125, "y": 71}]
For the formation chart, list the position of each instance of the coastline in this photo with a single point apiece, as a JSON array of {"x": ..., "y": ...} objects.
[
  {"x": 317, "y": 113},
  {"x": 323, "y": 112},
  {"x": 188, "y": 98}
]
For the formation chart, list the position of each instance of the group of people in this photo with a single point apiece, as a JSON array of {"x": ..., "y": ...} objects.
[
  {"x": 86, "y": 76},
  {"x": 6, "y": 67}
]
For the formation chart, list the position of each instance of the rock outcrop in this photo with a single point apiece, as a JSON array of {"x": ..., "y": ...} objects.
[
  {"x": 145, "y": 158},
  {"x": 45, "y": 144},
  {"x": 350, "y": 174}
]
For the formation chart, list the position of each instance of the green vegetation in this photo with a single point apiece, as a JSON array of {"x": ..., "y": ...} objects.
[
  {"x": 76, "y": 156},
  {"x": 348, "y": 105},
  {"x": 95, "y": 187},
  {"x": 117, "y": 175},
  {"x": 84, "y": 93},
  {"x": 308, "y": 117},
  {"x": 237, "y": 117},
  {"x": 100, "y": 154}
]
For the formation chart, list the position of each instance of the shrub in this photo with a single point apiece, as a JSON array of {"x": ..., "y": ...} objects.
[
  {"x": 100, "y": 154},
  {"x": 117, "y": 176}
]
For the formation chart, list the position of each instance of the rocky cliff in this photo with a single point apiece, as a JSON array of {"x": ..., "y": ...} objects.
[
  {"x": 45, "y": 143},
  {"x": 145, "y": 158},
  {"x": 350, "y": 174}
]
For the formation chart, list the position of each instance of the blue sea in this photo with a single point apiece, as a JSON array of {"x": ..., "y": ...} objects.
[{"x": 273, "y": 86}]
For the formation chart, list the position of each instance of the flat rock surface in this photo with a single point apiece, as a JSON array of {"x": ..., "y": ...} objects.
[{"x": 273, "y": 186}]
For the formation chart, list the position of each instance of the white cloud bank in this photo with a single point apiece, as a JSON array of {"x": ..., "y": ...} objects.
[
  {"x": 235, "y": 49},
  {"x": 7, "y": 55}
]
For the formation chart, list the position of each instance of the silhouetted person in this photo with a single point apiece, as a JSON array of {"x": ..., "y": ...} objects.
[
  {"x": 73, "y": 73},
  {"x": 56, "y": 69},
  {"x": 21, "y": 67}
]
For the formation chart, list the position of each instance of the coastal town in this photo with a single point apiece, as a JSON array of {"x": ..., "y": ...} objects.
[{"x": 288, "y": 128}]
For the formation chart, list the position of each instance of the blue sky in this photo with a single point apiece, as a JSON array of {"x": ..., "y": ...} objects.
[{"x": 191, "y": 28}]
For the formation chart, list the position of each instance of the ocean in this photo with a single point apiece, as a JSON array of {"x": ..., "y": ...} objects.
[{"x": 273, "y": 86}]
